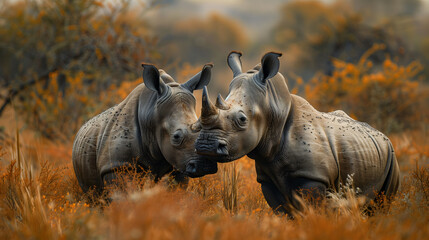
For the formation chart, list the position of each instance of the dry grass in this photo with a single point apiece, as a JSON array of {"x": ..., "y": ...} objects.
[
  {"x": 40, "y": 198},
  {"x": 230, "y": 177}
]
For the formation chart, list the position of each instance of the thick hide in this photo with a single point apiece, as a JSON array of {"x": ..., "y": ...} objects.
[
  {"x": 150, "y": 130},
  {"x": 295, "y": 147}
]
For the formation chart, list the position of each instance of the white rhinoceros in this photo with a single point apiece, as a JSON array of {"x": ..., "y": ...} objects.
[
  {"x": 295, "y": 147},
  {"x": 150, "y": 129}
]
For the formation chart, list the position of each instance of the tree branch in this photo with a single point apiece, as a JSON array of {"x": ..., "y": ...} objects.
[{"x": 14, "y": 92}]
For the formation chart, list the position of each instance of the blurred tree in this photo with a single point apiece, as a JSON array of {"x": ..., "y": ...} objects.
[
  {"x": 301, "y": 23},
  {"x": 388, "y": 97},
  {"x": 350, "y": 40},
  {"x": 100, "y": 42},
  {"x": 189, "y": 43},
  {"x": 303, "y": 20},
  {"x": 196, "y": 41},
  {"x": 311, "y": 33},
  {"x": 375, "y": 11}
]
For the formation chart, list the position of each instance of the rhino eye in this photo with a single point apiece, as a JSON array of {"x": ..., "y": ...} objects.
[
  {"x": 177, "y": 137},
  {"x": 241, "y": 120}
]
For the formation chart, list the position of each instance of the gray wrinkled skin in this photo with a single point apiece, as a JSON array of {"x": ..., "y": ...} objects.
[
  {"x": 151, "y": 129},
  {"x": 295, "y": 147}
]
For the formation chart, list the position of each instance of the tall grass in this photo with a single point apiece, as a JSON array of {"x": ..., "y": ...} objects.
[
  {"x": 40, "y": 198},
  {"x": 230, "y": 176}
]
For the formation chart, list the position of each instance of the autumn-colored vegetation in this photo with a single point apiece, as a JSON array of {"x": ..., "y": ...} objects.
[
  {"x": 62, "y": 62},
  {"x": 40, "y": 198},
  {"x": 61, "y": 54},
  {"x": 389, "y": 96},
  {"x": 311, "y": 33}
]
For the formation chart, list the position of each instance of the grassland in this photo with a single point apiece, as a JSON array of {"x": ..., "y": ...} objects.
[
  {"x": 63, "y": 62},
  {"x": 40, "y": 199}
]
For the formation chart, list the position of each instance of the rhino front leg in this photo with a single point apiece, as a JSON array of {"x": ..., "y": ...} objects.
[
  {"x": 274, "y": 198},
  {"x": 117, "y": 180},
  {"x": 180, "y": 179}
]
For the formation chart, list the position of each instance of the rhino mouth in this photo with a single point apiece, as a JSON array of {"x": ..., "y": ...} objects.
[
  {"x": 212, "y": 146},
  {"x": 216, "y": 151},
  {"x": 200, "y": 167},
  {"x": 218, "y": 159}
]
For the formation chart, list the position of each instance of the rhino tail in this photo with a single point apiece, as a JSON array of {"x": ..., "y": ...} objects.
[{"x": 392, "y": 182}]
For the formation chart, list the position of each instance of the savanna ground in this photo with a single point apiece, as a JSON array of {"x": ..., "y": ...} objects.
[
  {"x": 41, "y": 199},
  {"x": 46, "y": 101}
]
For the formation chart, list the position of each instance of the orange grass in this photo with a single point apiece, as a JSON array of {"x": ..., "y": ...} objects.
[{"x": 40, "y": 198}]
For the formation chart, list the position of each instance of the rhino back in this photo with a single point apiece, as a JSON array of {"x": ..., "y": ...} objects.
[
  {"x": 335, "y": 144},
  {"x": 326, "y": 147}
]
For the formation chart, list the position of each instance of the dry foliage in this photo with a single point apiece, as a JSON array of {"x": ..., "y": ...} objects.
[
  {"x": 58, "y": 56},
  {"x": 40, "y": 198},
  {"x": 86, "y": 62},
  {"x": 390, "y": 98}
]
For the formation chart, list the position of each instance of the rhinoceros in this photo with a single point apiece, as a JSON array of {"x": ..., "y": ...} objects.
[
  {"x": 295, "y": 147},
  {"x": 151, "y": 129}
]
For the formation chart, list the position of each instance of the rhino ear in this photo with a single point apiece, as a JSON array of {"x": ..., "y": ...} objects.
[
  {"x": 152, "y": 79},
  {"x": 269, "y": 66},
  {"x": 234, "y": 62},
  {"x": 200, "y": 80}
]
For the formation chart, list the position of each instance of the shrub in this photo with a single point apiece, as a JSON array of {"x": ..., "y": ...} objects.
[
  {"x": 54, "y": 54},
  {"x": 387, "y": 96}
]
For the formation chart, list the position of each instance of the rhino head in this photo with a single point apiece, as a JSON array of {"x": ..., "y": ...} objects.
[
  {"x": 173, "y": 118},
  {"x": 237, "y": 126}
]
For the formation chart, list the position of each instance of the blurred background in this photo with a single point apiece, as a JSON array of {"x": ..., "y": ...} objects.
[{"x": 64, "y": 61}]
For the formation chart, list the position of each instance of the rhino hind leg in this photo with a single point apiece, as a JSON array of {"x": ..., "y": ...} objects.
[
  {"x": 392, "y": 182},
  {"x": 390, "y": 186},
  {"x": 84, "y": 162},
  {"x": 122, "y": 176}
]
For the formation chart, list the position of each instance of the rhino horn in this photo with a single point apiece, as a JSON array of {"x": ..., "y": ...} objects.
[
  {"x": 165, "y": 76},
  {"x": 207, "y": 109},
  {"x": 234, "y": 62},
  {"x": 220, "y": 103}
]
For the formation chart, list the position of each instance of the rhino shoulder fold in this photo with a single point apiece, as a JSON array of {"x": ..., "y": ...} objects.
[{"x": 340, "y": 113}]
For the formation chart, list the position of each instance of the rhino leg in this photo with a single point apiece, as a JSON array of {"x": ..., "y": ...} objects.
[
  {"x": 274, "y": 198},
  {"x": 392, "y": 182},
  {"x": 311, "y": 190},
  {"x": 180, "y": 178},
  {"x": 110, "y": 179}
]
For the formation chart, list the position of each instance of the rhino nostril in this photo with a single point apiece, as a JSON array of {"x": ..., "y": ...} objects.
[
  {"x": 221, "y": 148},
  {"x": 221, "y": 143},
  {"x": 191, "y": 167}
]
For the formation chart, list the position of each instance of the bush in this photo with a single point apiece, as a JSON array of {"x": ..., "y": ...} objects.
[
  {"x": 387, "y": 96},
  {"x": 59, "y": 53}
]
